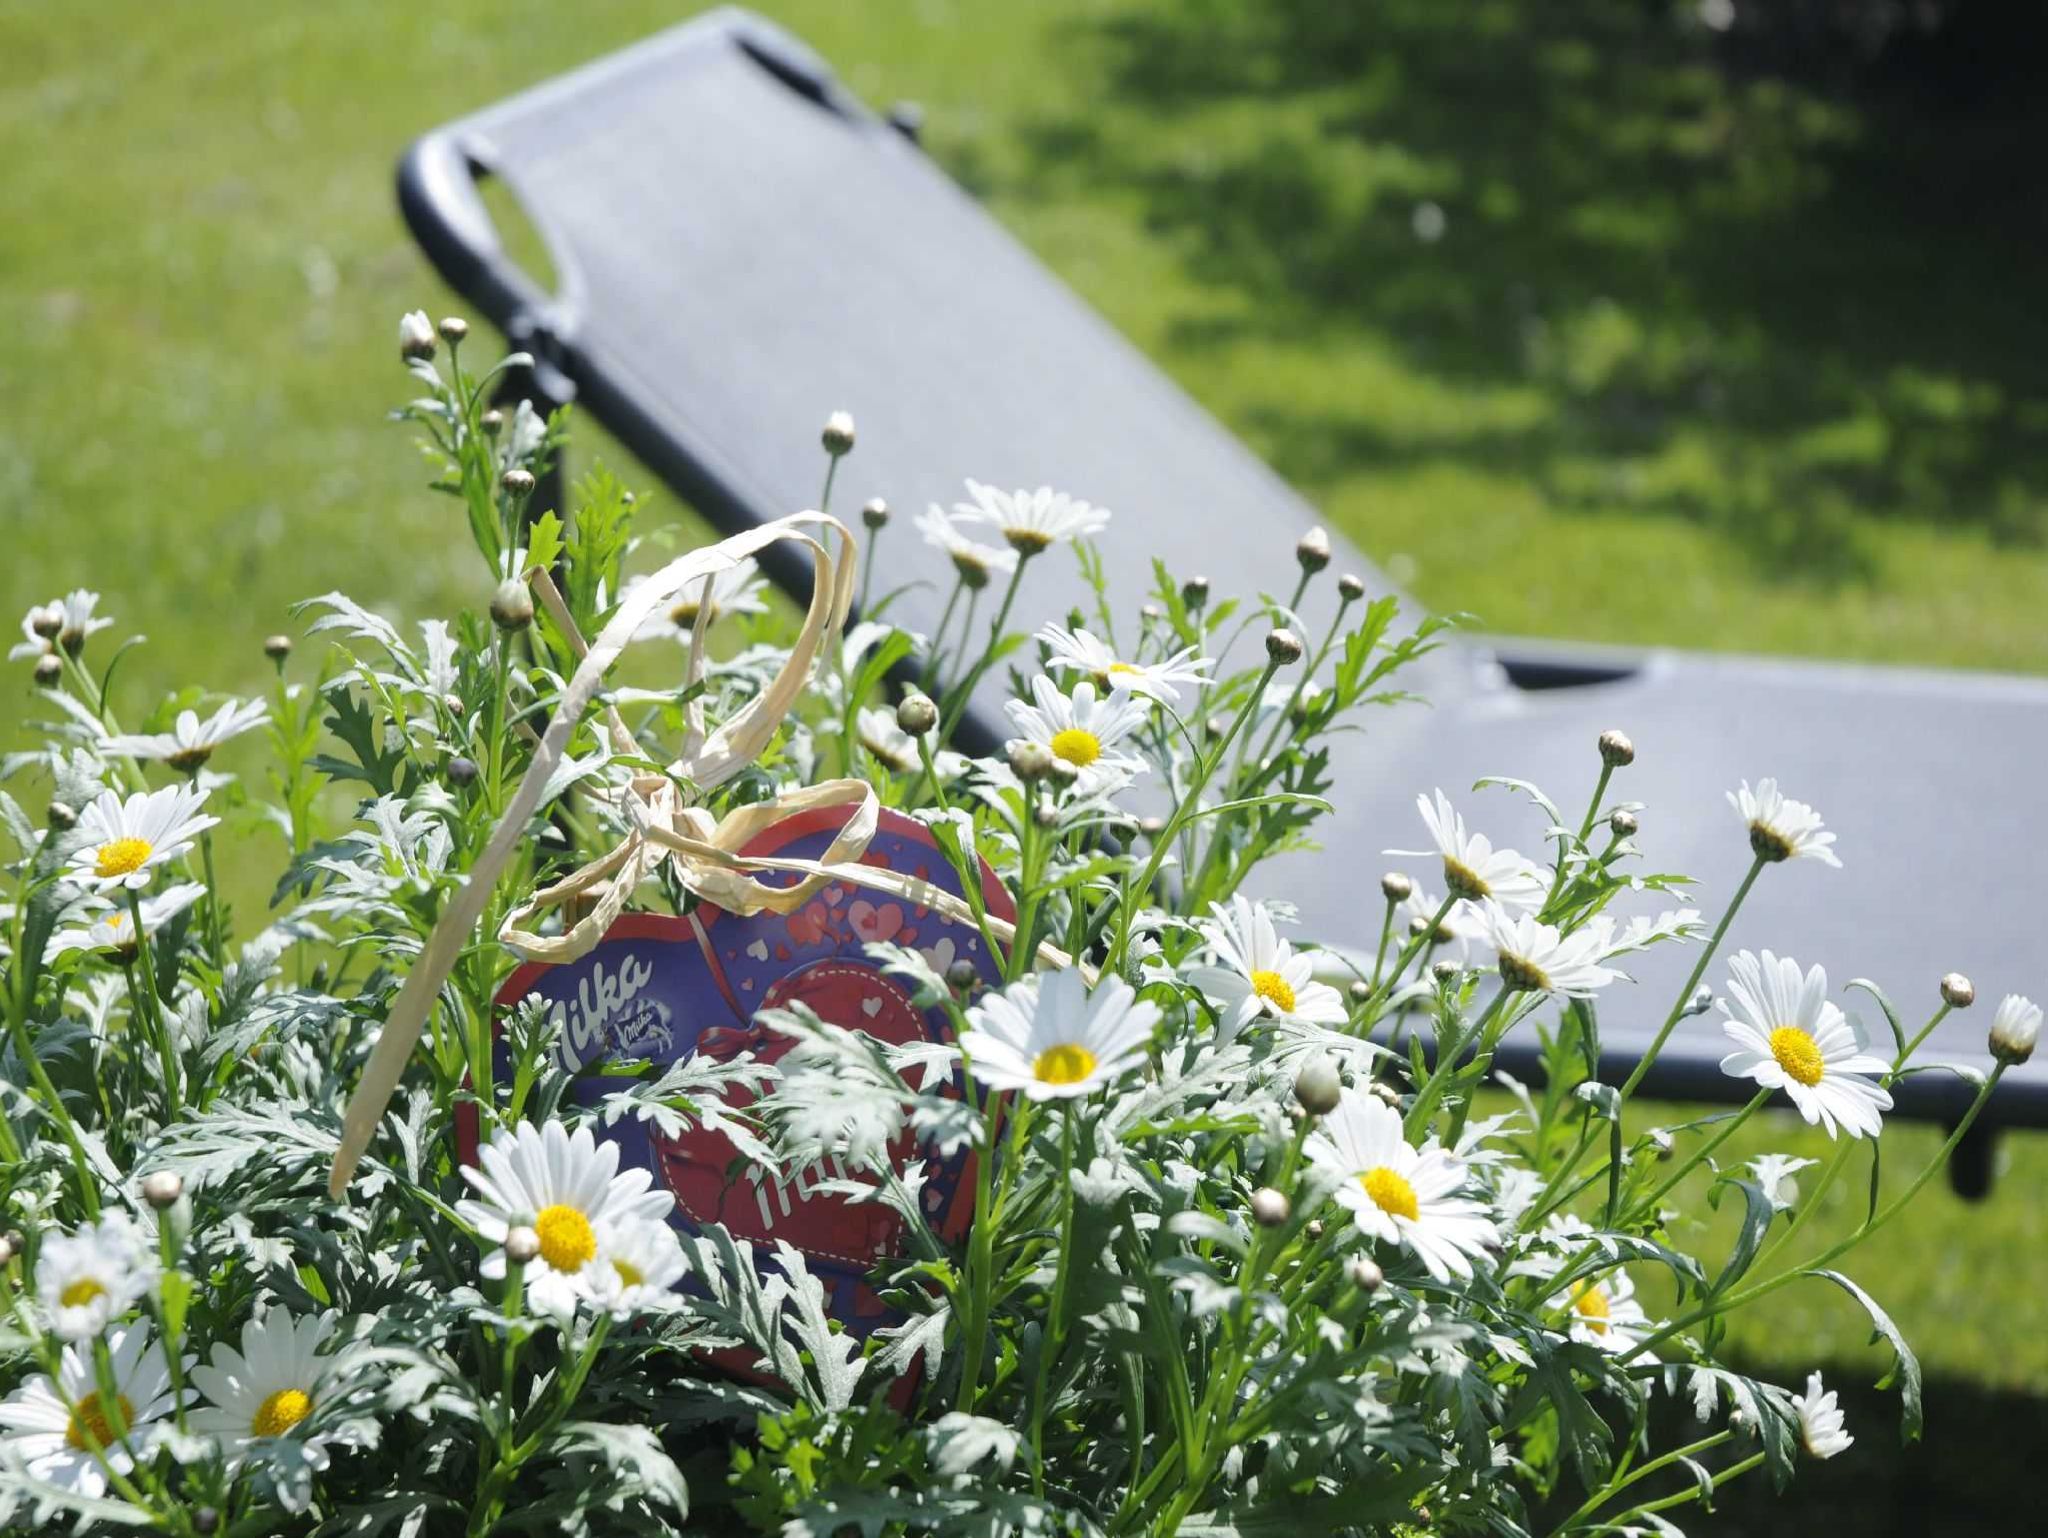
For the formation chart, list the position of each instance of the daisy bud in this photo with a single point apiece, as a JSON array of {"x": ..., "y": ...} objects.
[
  {"x": 62, "y": 817},
  {"x": 1151, "y": 613},
  {"x": 1623, "y": 824},
  {"x": 277, "y": 647},
  {"x": 522, "y": 1245},
  {"x": 1351, "y": 587},
  {"x": 1360, "y": 991},
  {"x": 875, "y": 513},
  {"x": 1031, "y": 761},
  {"x": 1216, "y": 726},
  {"x": 47, "y": 621},
  {"x": 917, "y": 714},
  {"x": 1318, "y": 1086},
  {"x": 1444, "y": 971},
  {"x": 517, "y": 482},
  {"x": 1270, "y": 1208},
  {"x": 1195, "y": 592},
  {"x": 1386, "y": 1094},
  {"x": 162, "y": 1188},
  {"x": 1283, "y": 646},
  {"x": 1313, "y": 1228},
  {"x": 1151, "y": 827},
  {"x": 1418, "y": 925},
  {"x": 1365, "y": 1274},
  {"x": 493, "y": 421},
  {"x": 2014, "y": 1029},
  {"x": 48, "y": 670},
  {"x": 1312, "y": 551},
  {"x": 6, "y": 1253},
  {"x": 1957, "y": 991},
  {"x": 962, "y": 977},
  {"x": 1397, "y": 886},
  {"x": 206, "y": 1520},
  {"x": 462, "y": 772},
  {"x": 416, "y": 335},
  {"x": 1046, "y": 816},
  {"x": 838, "y": 434},
  {"x": 1661, "y": 1144},
  {"x": 453, "y": 329},
  {"x": 512, "y": 605},
  {"x": 1616, "y": 751}
]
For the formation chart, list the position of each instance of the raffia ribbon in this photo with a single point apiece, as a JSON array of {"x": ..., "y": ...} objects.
[{"x": 703, "y": 850}]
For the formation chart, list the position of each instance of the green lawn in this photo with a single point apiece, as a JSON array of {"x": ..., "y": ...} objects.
[{"x": 1695, "y": 357}]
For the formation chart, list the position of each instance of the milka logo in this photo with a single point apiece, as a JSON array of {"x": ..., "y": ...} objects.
[{"x": 601, "y": 998}]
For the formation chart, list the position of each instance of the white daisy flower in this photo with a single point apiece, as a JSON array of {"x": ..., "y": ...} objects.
[
  {"x": 1821, "y": 1427},
  {"x": 2015, "y": 1029},
  {"x": 77, "y": 620},
  {"x": 114, "y": 928},
  {"x": 39, "y": 630},
  {"x": 890, "y": 743},
  {"x": 88, "y": 1279},
  {"x": 1792, "y": 1038},
  {"x": 569, "y": 1189},
  {"x": 1775, "y": 1176},
  {"x": 190, "y": 741},
  {"x": 1260, "y": 972},
  {"x": 636, "y": 1270},
  {"x": 1535, "y": 958},
  {"x": 1078, "y": 651},
  {"x": 1032, "y": 520},
  {"x": 271, "y": 1385},
  {"x": 1473, "y": 868},
  {"x": 1459, "y": 930},
  {"x": 1082, "y": 730},
  {"x": 126, "y": 840},
  {"x": 1603, "y": 1311},
  {"x": 974, "y": 561},
  {"x": 51, "y": 1427},
  {"x": 417, "y": 337},
  {"x": 735, "y": 589},
  {"x": 1049, "y": 1037},
  {"x": 1397, "y": 1193},
  {"x": 1779, "y": 827}
]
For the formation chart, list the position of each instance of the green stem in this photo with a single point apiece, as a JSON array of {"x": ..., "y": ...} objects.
[
  {"x": 1055, "y": 1324},
  {"x": 1699, "y": 970},
  {"x": 1648, "y": 1206},
  {"x": 964, "y": 690}
]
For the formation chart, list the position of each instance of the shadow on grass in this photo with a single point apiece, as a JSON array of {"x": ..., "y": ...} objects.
[
  {"x": 1972, "y": 1472},
  {"x": 1749, "y": 287}
]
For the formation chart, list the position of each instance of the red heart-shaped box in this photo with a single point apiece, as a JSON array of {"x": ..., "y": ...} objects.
[{"x": 659, "y": 988}]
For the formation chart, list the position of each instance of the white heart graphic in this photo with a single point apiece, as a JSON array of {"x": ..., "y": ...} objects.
[
  {"x": 758, "y": 950},
  {"x": 871, "y": 1007}
]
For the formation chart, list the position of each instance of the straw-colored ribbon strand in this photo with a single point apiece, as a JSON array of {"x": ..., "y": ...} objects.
[{"x": 703, "y": 850}]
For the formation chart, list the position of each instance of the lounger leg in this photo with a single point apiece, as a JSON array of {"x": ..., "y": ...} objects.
[{"x": 1970, "y": 1166}]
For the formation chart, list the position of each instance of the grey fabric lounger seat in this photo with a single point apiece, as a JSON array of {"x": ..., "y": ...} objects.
[{"x": 742, "y": 247}]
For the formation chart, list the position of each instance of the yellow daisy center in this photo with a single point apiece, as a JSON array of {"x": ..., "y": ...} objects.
[
  {"x": 82, "y": 1292},
  {"x": 567, "y": 1240},
  {"x": 1125, "y": 667},
  {"x": 280, "y": 1412},
  {"x": 1590, "y": 1303},
  {"x": 1274, "y": 989},
  {"x": 629, "y": 1273},
  {"x": 1391, "y": 1193},
  {"x": 684, "y": 614},
  {"x": 88, "y": 1416},
  {"x": 1066, "y": 1063},
  {"x": 1027, "y": 541},
  {"x": 122, "y": 857},
  {"x": 1798, "y": 1054},
  {"x": 1464, "y": 881},
  {"x": 1077, "y": 746}
]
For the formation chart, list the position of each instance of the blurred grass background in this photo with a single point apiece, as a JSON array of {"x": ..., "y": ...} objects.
[{"x": 1586, "y": 317}]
